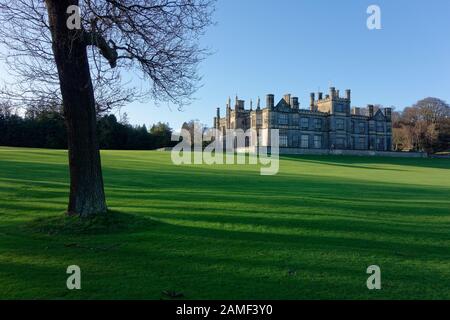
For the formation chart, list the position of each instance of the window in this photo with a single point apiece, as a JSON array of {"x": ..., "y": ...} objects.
[
  {"x": 340, "y": 143},
  {"x": 362, "y": 127},
  {"x": 380, "y": 126},
  {"x": 283, "y": 119},
  {"x": 380, "y": 144},
  {"x": 339, "y": 124},
  {"x": 305, "y": 142},
  {"x": 317, "y": 142},
  {"x": 318, "y": 124},
  {"x": 258, "y": 119},
  {"x": 304, "y": 123},
  {"x": 372, "y": 143},
  {"x": 283, "y": 141},
  {"x": 361, "y": 143},
  {"x": 339, "y": 108}
]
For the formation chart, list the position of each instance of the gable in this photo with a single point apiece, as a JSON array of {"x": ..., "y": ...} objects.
[
  {"x": 379, "y": 116},
  {"x": 283, "y": 106}
]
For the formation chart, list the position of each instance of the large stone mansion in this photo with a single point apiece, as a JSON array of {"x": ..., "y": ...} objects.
[{"x": 329, "y": 123}]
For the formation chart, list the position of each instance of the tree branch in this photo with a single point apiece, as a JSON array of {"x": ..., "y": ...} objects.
[{"x": 107, "y": 51}]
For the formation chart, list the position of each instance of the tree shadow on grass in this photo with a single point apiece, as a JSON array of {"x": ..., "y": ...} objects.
[
  {"x": 364, "y": 162},
  {"x": 113, "y": 222},
  {"x": 211, "y": 263}
]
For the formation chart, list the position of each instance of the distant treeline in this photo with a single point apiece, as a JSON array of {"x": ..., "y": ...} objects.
[
  {"x": 46, "y": 129},
  {"x": 425, "y": 126}
]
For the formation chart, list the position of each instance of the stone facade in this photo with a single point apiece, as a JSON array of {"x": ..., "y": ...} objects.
[{"x": 329, "y": 123}]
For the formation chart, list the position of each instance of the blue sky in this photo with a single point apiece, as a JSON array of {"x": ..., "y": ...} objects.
[{"x": 299, "y": 46}]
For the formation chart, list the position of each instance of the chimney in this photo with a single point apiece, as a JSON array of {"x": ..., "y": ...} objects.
[
  {"x": 388, "y": 113},
  {"x": 337, "y": 94},
  {"x": 348, "y": 94},
  {"x": 270, "y": 101},
  {"x": 370, "y": 107},
  {"x": 294, "y": 103},
  {"x": 287, "y": 99},
  {"x": 356, "y": 111},
  {"x": 320, "y": 95},
  {"x": 312, "y": 101}
]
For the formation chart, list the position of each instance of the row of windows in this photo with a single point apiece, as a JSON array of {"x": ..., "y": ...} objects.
[
  {"x": 379, "y": 127},
  {"x": 283, "y": 119},
  {"x": 304, "y": 141},
  {"x": 360, "y": 127},
  {"x": 305, "y": 124},
  {"x": 359, "y": 143}
]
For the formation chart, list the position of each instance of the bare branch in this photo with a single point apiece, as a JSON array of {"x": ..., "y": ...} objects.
[{"x": 156, "y": 40}]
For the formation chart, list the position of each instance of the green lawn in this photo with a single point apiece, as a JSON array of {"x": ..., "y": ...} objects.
[{"x": 227, "y": 232}]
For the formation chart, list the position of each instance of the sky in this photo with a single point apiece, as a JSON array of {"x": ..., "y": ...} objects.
[{"x": 301, "y": 46}]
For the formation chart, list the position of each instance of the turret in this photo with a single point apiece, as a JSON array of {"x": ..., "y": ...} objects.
[
  {"x": 228, "y": 114},
  {"x": 332, "y": 93},
  {"x": 240, "y": 105},
  {"x": 348, "y": 94},
  {"x": 371, "y": 108},
  {"x": 270, "y": 101},
  {"x": 294, "y": 103},
  {"x": 217, "y": 119},
  {"x": 312, "y": 102}
]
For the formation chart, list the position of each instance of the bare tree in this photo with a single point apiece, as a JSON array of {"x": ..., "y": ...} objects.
[
  {"x": 424, "y": 123},
  {"x": 55, "y": 58},
  {"x": 401, "y": 138}
]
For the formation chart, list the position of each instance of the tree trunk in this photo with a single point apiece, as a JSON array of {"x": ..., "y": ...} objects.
[{"x": 87, "y": 197}]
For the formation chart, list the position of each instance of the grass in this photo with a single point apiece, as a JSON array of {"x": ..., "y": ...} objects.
[{"x": 226, "y": 232}]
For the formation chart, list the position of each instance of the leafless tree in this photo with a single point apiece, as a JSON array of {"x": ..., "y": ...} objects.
[
  {"x": 401, "y": 138},
  {"x": 157, "y": 40},
  {"x": 423, "y": 125}
]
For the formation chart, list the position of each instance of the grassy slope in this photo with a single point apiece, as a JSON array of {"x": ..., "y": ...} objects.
[{"x": 227, "y": 232}]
